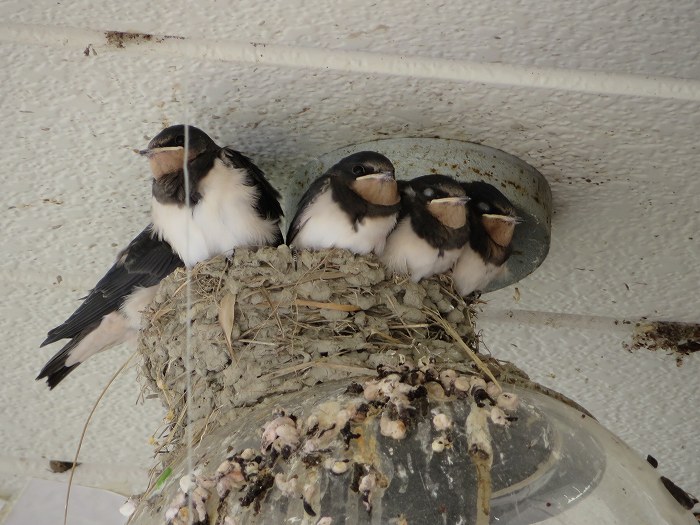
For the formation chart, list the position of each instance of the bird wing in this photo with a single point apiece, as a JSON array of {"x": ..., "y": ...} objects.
[
  {"x": 143, "y": 263},
  {"x": 317, "y": 187},
  {"x": 268, "y": 205}
]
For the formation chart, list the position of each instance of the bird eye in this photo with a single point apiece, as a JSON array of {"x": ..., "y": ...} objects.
[
  {"x": 180, "y": 140},
  {"x": 358, "y": 170},
  {"x": 484, "y": 207},
  {"x": 428, "y": 192}
]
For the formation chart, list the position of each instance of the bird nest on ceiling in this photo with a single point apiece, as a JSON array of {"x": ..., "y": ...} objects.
[{"x": 270, "y": 321}]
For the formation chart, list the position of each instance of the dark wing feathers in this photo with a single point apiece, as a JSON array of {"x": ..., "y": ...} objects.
[
  {"x": 268, "y": 205},
  {"x": 317, "y": 187},
  {"x": 145, "y": 262},
  {"x": 56, "y": 370}
]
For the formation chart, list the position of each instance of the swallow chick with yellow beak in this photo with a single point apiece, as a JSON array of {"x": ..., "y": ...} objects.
[
  {"x": 354, "y": 205},
  {"x": 492, "y": 220},
  {"x": 231, "y": 203},
  {"x": 432, "y": 229}
]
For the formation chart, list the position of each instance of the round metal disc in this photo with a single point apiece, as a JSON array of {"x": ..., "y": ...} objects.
[{"x": 522, "y": 184}]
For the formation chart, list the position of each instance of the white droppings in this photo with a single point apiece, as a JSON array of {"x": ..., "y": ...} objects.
[
  {"x": 494, "y": 390},
  {"x": 324, "y": 416},
  {"x": 288, "y": 487},
  {"x": 478, "y": 436},
  {"x": 171, "y": 513},
  {"x": 199, "y": 499},
  {"x": 248, "y": 454},
  {"x": 371, "y": 390},
  {"x": 340, "y": 467},
  {"x": 438, "y": 444},
  {"x": 395, "y": 429},
  {"x": 128, "y": 508},
  {"x": 435, "y": 391},
  {"x": 310, "y": 491},
  {"x": 508, "y": 401},
  {"x": 229, "y": 476},
  {"x": 462, "y": 383},
  {"x": 498, "y": 417},
  {"x": 366, "y": 486},
  {"x": 176, "y": 504},
  {"x": 187, "y": 483},
  {"x": 251, "y": 469},
  {"x": 280, "y": 433},
  {"x": 424, "y": 363},
  {"x": 208, "y": 482},
  {"x": 225, "y": 467},
  {"x": 447, "y": 379},
  {"x": 442, "y": 421},
  {"x": 325, "y": 521},
  {"x": 288, "y": 434},
  {"x": 478, "y": 382},
  {"x": 311, "y": 423}
]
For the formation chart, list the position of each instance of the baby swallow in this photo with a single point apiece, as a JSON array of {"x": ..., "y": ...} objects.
[
  {"x": 492, "y": 221},
  {"x": 433, "y": 227},
  {"x": 353, "y": 205},
  {"x": 231, "y": 203},
  {"x": 111, "y": 312}
]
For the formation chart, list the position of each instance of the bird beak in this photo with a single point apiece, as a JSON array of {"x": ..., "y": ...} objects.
[
  {"x": 500, "y": 228},
  {"x": 505, "y": 218},
  {"x": 377, "y": 188},
  {"x": 151, "y": 152},
  {"x": 453, "y": 201},
  {"x": 382, "y": 176},
  {"x": 164, "y": 160},
  {"x": 450, "y": 211}
]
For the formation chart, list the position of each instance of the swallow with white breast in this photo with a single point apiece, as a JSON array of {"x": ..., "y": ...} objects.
[
  {"x": 111, "y": 312},
  {"x": 354, "y": 206},
  {"x": 492, "y": 220},
  {"x": 231, "y": 203},
  {"x": 433, "y": 227}
]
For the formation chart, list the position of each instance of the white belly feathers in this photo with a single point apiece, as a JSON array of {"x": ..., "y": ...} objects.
[
  {"x": 407, "y": 253},
  {"x": 326, "y": 225},
  {"x": 224, "y": 218},
  {"x": 472, "y": 273}
]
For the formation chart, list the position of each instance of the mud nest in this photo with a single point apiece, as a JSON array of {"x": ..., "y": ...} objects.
[{"x": 270, "y": 321}]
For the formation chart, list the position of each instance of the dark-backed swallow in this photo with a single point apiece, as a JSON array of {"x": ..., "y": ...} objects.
[
  {"x": 231, "y": 203},
  {"x": 433, "y": 227},
  {"x": 353, "y": 205},
  {"x": 492, "y": 220},
  {"x": 111, "y": 312}
]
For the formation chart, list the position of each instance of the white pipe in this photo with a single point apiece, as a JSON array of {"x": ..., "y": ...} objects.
[{"x": 585, "y": 81}]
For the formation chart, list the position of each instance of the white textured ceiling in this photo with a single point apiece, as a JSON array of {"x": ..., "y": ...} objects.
[{"x": 602, "y": 97}]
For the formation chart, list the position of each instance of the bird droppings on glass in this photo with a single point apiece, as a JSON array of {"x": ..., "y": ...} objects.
[{"x": 386, "y": 357}]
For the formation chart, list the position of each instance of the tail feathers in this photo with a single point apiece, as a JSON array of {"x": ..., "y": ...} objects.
[
  {"x": 56, "y": 370},
  {"x": 50, "y": 338}
]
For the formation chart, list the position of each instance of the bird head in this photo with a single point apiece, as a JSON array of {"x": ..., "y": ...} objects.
[
  {"x": 441, "y": 196},
  {"x": 371, "y": 176},
  {"x": 494, "y": 211},
  {"x": 166, "y": 151}
]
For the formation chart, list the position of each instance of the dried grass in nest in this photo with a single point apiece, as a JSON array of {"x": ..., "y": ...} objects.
[{"x": 268, "y": 321}]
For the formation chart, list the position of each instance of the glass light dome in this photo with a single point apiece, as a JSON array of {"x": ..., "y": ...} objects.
[{"x": 552, "y": 465}]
